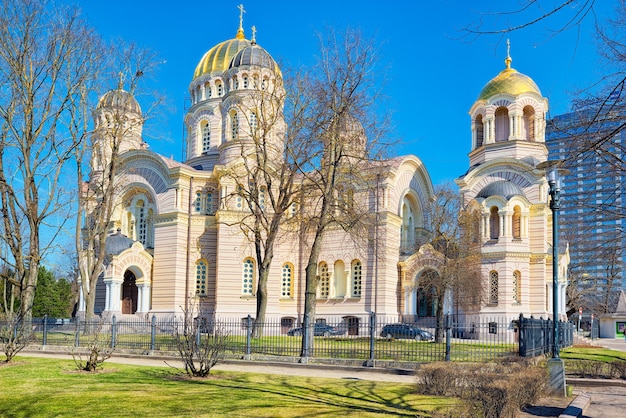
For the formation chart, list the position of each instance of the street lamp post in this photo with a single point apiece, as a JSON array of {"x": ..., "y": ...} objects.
[{"x": 557, "y": 370}]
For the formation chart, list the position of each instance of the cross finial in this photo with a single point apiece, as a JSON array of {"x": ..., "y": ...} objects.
[
  {"x": 240, "y": 34},
  {"x": 241, "y": 12},
  {"x": 120, "y": 82},
  {"x": 253, "y": 35},
  {"x": 508, "y": 59}
]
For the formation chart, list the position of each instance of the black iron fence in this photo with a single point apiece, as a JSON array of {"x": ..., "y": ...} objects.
[
  {"x": 537, "y": 335},
  {"x": 367, "y": 338}
]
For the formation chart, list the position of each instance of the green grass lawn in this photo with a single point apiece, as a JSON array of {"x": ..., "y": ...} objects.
[
  {"x": 603, "y": 355},
  {"x": 31, "y": 387}
]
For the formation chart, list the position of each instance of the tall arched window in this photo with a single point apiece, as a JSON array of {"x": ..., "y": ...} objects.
[
  {"x": 324, "y": 283},
  {"x": 528, "y": 125},
  {"x": 493, "y": 287},
  {"x": 248, "y": 276},
  {"x": 197, "y": 204},
  {"x": 220, "y": 88},
  {"x": 517, "y": 222},
  {"x": 502, "y": 124},
  {"x": 262, "y": 198},
  {"x": 517, "y": 286},
  {"x": 357, "y": 271},
  {"x": 206, "y": 136},
  {"x": 235, "y": 83},
  {"x": 479, "y": 129},
  {"x": 286, "y": 283},
  {"x": 201, "y": 277},
  {"x": 234, "y": 125},
  {"x": 408, "y": 225},
  {"x": 245, "y": 82},
  {"x": 494, "y": 223},
  {"x": 142, "y": 224}
]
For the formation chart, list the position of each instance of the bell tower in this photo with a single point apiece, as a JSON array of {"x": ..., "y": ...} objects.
[{"x": 509, "y": 194}]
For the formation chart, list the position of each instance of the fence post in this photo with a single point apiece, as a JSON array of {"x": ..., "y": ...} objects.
[
  {"x": 153, "y": 334},
  {"x": 370, "y": 362},
  {"x": 77, "y": 336},
  {"x": 448, "y": 326},
  {"x": 521, "y": 338},
  {"x": 248, "y": 337},
  {"x": 45, "y": 330},
  {"x": 113, "y": 331}
]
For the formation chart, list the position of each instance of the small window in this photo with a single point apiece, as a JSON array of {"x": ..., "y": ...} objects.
[
  {"x": 235, "y": 83},
  {"x": 206, "y": 136},
  {"x": 324, "y": 283},
  {"x": 245, "y": 82},
  {"x": 201, "y": 278},
  {"x": 356, "y": 278},
  {"x": 248, "y": 277},
  {"x": 197, "y": 204},
  {"x": 253, "y": 123},
  {"x": 493, "y": 287},
  {"x": 286, "y": 282},
  {"x": 220, "y": 89},
  {"x": 517, "y": 286},
  {"x": 209, "y": 204},
  {"x": 479, "y": 131},
  {"x": 234, "y": 125}
]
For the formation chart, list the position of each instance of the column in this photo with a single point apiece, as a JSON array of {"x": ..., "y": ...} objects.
[{"x": 143, "y": 297}]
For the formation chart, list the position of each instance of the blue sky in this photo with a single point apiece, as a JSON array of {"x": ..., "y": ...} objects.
[{"x": 434, "y": 74}]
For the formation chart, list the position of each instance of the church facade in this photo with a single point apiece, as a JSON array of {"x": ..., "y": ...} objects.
[{"x": 175, "y": 234}]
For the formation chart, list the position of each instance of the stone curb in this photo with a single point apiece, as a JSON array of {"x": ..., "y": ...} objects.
[{"x": 576, "y": 408}]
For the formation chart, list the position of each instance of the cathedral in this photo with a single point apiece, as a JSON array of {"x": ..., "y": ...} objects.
[{"x": 175, "y": 236}]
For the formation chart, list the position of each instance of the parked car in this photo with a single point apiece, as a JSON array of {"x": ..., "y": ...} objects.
[
  {"x": 405, "y": 331},
  {"x": 320, "y": 330}
]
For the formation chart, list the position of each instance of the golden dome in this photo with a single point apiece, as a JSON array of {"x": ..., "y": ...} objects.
[
  {"x": 218, "y": 58},
  {"x": 509, "y": 81}
]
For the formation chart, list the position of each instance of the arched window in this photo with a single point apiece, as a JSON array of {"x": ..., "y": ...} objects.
[
  {"x": 493, "y": 287},
  {"x": 197, "y": 204},
  {"x": 479, "y": 129},
  {"x": 220, "y": 89},
  {"x": 324, "y": 281},
  {"x": 408, "y": 226},
  {"x": 248, "y": 278},
  {"x": 234, "y": 125},
  {"x": 357, "y": 270},
  {"x": 517, "y": 286},
  {"x": 253, "y": 123},
  {"x": 502, "y": 124},
  {"x": 206, "y": 136},
  {"x": 235, "y": 83},
  {"x": 517, "y": 222},
  {"x": 142, "y": 224},
  {"x": 494, "y": 223},
  {"x": 340, "y": 279},
  {"x": 208, "y": 90},
  {"x": 286, "y": 282},
  {"x": 528, "y": 125},
  {"x": 245, "y": 81},
  {"x": 201, "y": 277}
]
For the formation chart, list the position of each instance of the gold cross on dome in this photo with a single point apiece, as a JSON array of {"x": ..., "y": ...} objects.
[{"x": 241, "y": 12}]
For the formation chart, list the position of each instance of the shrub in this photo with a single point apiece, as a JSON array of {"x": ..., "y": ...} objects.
[
  {"x": 15, "y": 335},
  {"x": 490, "y": 390},
  {"x": 618, "y": 369},
  {"x": 98, "y": 349}
]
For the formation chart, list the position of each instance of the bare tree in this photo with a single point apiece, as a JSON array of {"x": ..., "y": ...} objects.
[
  {"x": 267, "y": 178},
  {"x": 48, "y": 57},
  {"x": 455, "y": 237},
  {"x": 343, "y": 127}
]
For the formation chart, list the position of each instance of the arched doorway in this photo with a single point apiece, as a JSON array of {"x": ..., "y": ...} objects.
[
  {"x": 426, "y": 296},
  {"x": 129, "y": 293}
]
